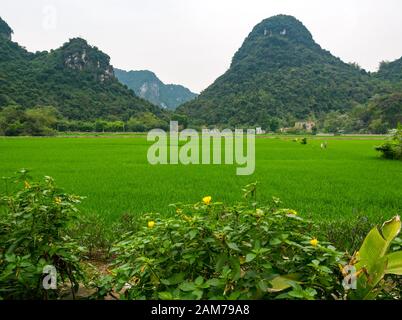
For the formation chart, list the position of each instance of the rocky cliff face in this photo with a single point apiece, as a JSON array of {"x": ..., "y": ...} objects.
[{"x": 79, "y": 55}]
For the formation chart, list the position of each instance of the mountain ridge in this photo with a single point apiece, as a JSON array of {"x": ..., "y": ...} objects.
[
  {"x": 77, "y": 79},
  {"x": 280, "y": 74},
  {"x": 148, "y": 86}
]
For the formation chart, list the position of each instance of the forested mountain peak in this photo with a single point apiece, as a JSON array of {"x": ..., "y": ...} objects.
[
  {"x": 275, "y": 31},
  {"x": 79, "y": 55},
  {"x": 280, "y": 75},
  {"x": 77, "y": 79}
]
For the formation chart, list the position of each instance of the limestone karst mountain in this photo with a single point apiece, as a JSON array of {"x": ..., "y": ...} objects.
[
  {"x": 280, "y": 73},
  {"x": 148, "y": 86},
  {"x": 77, "y": 79}
]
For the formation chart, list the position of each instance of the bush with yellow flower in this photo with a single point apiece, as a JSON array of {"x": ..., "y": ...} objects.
[{"x": 212, "y": 251}]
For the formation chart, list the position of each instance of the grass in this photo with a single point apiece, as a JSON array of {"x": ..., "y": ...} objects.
[{"x": 344, "y": 181}]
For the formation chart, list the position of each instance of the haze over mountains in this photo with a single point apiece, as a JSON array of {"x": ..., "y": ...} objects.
[{"x": 148, "y": 86}]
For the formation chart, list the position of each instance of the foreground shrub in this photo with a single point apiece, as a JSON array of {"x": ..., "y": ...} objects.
[
  {"x": 33, "y": 235},
  {"x": 373, "y": 261},
  {"x": 209, "y": 251},
  {"x": 97, "y": 234},
  {"x": 392, "y": 149}
]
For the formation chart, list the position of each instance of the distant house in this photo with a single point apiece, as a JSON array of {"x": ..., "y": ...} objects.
[
  {"x": 302, "y": 125},
  {"x": 259, "y": 131},
  {"x": 305, "y": 125},
  {"x": 284, "y": 130}
]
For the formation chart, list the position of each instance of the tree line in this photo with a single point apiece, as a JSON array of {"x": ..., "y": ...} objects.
[{"x": 48, "y": 121}]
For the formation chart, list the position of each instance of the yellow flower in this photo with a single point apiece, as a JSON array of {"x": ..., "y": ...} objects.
[
  {"x": 314, "y": 242},
  {"x": 57, "y": 200},
  {"x": 207, "y": 200},
  {"x": 293, "y": 212},
  {"x": 27, "y": 185},
  {"x": 151, "y": 224}
]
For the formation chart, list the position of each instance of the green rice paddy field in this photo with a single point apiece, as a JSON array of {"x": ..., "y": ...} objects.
[{"x": 345, "y": 180}]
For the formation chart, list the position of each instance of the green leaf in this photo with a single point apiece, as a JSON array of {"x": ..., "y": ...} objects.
[
  {"x": 175, "y": 279},
  {"x": 199, "y": 281},
  {"x": 165, "y": 296},
  {"x": 187, "y": 286},
  {"x": 250, "y": 257},
  {"x": 236, "y": 270},
  {"x": 296, "y": 294},
  {"x": 275, "y": 242},
  {"x": 374, "y": 247},
  {"x": 372, "y": 256},
  {"x": 262, "y": 286},
  {"x": 281, "y": 283},
  {"x": 233, "y": 246},
  {"x": 390, "y": 229},
  {"x": 214, "y": 282},
  {"x": 222, "y": 259},
  {"x": 192, "y": 234},
  {"x": 394, "y": 265},
  {"x": 198, "y": 294}
]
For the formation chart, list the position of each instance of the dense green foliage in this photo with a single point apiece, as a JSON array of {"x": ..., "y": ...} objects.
[
  {"x": 391, "y": 71},
  {"x": 379, "y": 115},
  {"x": 209, "y": 250},
  {"x": 142, "y": 122},
  {"x": 33, "y": 235},
  {"x": 40, "y": 121},
  {"x": 212, "y": 251},
  {"x": 147, "y": 85},
  {"x": 339, "y": 183},
  {"x": 76, "y": 79},
  {"x": 247, "y": 251},
  {"x": 392, "y": 149},
  {"x": 47, "y": 121}
]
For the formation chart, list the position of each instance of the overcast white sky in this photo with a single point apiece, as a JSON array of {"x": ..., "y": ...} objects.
[{"x": 191, "y": 42}]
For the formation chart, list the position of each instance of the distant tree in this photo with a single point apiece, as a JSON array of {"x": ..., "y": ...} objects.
[
  {"x": 100, "y": 125},
  {"x": 39, "y": 121},
  {"x": 11, "y": 121},
  {"x": 378, "y": 126},
  {"x": 115, "y": 126},
  {"x": 135, "y": 125},
  {"x": 314, "y": 130},
  {"x": 181, "y": 119}
]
